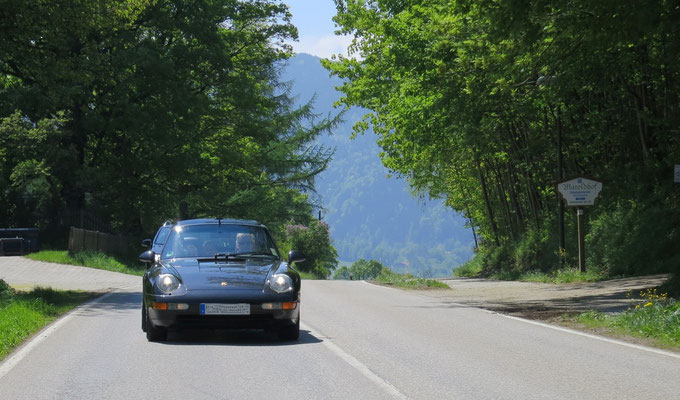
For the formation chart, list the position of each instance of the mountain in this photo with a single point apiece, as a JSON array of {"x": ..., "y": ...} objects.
[{"x": 370, "y": 215}]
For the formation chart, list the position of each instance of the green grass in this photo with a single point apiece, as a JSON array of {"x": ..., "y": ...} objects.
[
  {"x": 470, "y": 269},
  {"x": 564, "y": 275},
  {"x": 407, "y": 281},
  {"x": 24, "y": 313},
  {"x": 307, "y": 275},
  {"x": 89, "y": 259},
  {"x": 656, "y": 318}
]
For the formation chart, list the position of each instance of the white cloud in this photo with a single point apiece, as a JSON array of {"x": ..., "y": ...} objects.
[{"x": 323, "y": 46}]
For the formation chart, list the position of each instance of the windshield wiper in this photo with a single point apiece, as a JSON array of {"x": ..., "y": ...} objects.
[
  {"x": 242, "y": 255},
  {"x": 257, "y": 254}
]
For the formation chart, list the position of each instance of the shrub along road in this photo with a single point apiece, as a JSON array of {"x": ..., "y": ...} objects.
[{"x": 357, "y": 341}]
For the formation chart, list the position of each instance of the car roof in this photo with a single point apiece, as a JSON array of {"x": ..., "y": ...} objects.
[{"x": 216, "y": 221}]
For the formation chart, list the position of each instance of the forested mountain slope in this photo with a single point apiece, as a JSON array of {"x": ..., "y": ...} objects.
[{"x": 372, "y": 216}]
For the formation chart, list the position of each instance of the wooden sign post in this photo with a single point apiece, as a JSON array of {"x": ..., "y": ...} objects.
[{"x": 580, "y": 192}]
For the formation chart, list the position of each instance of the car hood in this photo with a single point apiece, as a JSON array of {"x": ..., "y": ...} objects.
[{"x": 206, "y": 275}]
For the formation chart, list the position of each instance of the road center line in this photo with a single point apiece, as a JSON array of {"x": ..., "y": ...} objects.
[
  {"x": 588, "y": 335},
  {"x": 19, "y": 355},
  {"x": 358, "y": 365}
]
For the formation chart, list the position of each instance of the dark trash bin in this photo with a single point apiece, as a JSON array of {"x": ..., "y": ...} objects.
[{"x": 18, "y": 241}]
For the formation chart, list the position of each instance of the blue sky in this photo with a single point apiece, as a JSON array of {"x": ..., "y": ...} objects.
[{"x": 313, "y": 19}]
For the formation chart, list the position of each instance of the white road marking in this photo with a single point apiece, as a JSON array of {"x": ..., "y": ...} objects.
[
  {"x": 566, "y": 330},
  {"x": 596, "y": 337},
  {"x": 381, "y": 286},
  {"x": 356, "y": 364},
  {"x": 20, "y": 354}
]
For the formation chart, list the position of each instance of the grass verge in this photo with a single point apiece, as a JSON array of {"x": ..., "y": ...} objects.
[
  {"x": 407, "y": 281},
  {"x": 656, "y": 318},
  {"x": 307, "y": 275},
  {"x": 89, "y": 259},
  {"x": 564, "y": 275},
  {"x": 24, "y": 313}
]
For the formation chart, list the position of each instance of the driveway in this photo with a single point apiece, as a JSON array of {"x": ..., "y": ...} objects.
[{"x": 23, "y": 273}]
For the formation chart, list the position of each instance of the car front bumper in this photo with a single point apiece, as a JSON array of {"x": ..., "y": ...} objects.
[{"x": 258, "y": 318}]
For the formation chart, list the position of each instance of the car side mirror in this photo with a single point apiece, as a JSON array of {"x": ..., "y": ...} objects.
[
  {"x": 295, "y": 256},
  {"x": 147, "y": 257},
  {"x": 147, "y": 243}
]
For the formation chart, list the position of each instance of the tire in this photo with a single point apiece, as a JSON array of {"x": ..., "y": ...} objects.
[
  {"x": 154, "y": 333},
  {"x": 143, "y": 317},
  {"x": 290, "y": 333}
]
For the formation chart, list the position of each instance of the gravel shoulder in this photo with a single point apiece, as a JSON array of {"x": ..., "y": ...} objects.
[{"x": 546, "y": 301}]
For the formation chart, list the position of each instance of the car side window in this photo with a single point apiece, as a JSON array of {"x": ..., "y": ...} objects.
[{"x": 162, "y": 235}]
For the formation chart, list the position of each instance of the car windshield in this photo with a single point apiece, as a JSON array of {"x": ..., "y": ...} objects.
[{"x": 212, "y": 240}]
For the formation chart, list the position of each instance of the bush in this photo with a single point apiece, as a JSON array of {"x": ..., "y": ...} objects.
[
  {"x": 470, "y": 269},
  {"x": 6, "y": 292},
  {"x": 360, "y": 270},
  {"x": 407, "y": 281},
  {"x": 634, "y": 239},
  {"x": 535, "y": 250},
  {"x": 315, "y": 242}
]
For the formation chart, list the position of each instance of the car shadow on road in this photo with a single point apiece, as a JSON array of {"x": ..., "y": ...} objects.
[
  {"x": 239, "y": 338},
  {"x": 112, "y": 303}
]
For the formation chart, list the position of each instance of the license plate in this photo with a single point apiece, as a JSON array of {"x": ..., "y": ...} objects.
[{"x": 225, "y": 309}]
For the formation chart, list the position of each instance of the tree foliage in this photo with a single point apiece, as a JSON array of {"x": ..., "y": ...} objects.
[
  {"x": 468, "y": 99},
  {"x": 140, "y": 111},
  {"x": 314, "y": 241},
  {"x": 360, "y": 270}
]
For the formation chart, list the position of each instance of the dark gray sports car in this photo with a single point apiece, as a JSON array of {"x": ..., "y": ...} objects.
[{"x": 220, "y": 273}]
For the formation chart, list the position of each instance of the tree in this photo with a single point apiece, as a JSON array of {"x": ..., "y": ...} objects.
[
  {"x": 167, "y": 109},
  {"x": 362, "y": 269},
  {"x": 314, "y": 242},
  {"x": 453, "y": 94}
]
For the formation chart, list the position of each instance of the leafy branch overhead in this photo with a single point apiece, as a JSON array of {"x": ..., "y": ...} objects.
[{"x": 140, "y": 111}]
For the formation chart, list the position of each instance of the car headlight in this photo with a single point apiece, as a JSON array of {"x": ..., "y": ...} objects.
[
  {"x": 167, "y": 283},
  {"x": 281, "y": 283}
]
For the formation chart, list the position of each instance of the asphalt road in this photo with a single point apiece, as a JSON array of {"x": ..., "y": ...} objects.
[{"x": 358, "y": 341}]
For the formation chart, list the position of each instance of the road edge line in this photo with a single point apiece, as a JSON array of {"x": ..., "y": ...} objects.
[
  {"x": 561, "y": 329},
  {"x": 381, "y": 286},
  {"x": 596, "y": 337},
  {"x": 15, "y": 358},
  {"x": 356, "y": 364}
]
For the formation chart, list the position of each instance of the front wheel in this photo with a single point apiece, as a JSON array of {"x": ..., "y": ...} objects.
[
  {"x": 290, "y": 332},
  {"x": 143, "y": 317},
  {"x": 153, "y": 333}
]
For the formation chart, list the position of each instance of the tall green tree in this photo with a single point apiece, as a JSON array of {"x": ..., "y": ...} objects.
[
  {"x": 468, "y": 99},
  {"x": 168, "y": 108}
]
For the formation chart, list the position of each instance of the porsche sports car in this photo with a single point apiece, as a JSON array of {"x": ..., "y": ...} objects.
[{"x": 220, "y": 273}]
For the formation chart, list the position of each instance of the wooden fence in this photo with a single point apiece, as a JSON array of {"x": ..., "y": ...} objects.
[{"x": 116, "y": 245}]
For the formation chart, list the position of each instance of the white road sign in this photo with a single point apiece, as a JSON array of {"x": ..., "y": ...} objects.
[{"x": 580, "y": 191}]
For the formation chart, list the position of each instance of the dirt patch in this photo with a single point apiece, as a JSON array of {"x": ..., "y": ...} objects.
[
  {"x": 545, "y": 301},
  {"x": 553, "y": 304}
]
